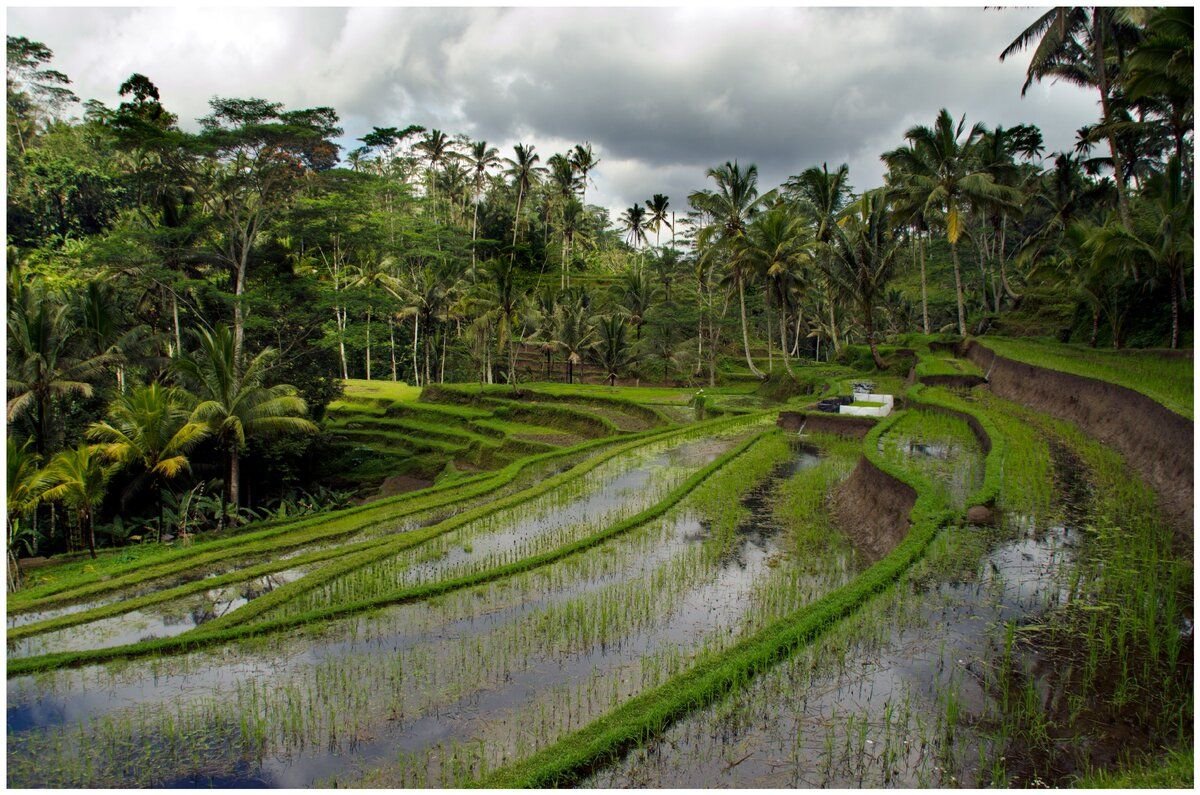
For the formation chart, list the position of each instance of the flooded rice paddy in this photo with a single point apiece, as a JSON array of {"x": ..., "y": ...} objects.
[{"x": 937, "y": 681}]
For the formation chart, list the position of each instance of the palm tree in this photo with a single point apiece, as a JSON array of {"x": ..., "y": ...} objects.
[
  {"x": 78, "y": 479},
  {"x": 584, "y": 160},
  {"x": 633, "y": 221},
  {"x": 525, "y": 173},
  {"x": 775, "y": 246},
  {"x": 1158, "y": 243},
  {"x": 1162, "y": 65},
  {"x": 821, "y": 195},
  {"x": 150, "y": 427},
  {"x": 563, "y": 178},
  {"x": 438, "y": 149},
  {"x": 659, "y": 206},
  {"x": 1076, "y": 44},
  {"x": 480, "y": 160},
  {"x": 613, "y": 351},
  {"x": 25, "y": 486},
  {"x": 729, "y": 208},
  {"x": 636, "y": 294},
  {"x": 546, "y": 323},
  {"x": 373, "y": 273},
  {"x": 574, "y": 228},
  {"x": 46, "y": 364},
  {"x": 864, "y": 247},
  {"x": 575, "y": 334},
  {"x": 501, "y": 295},
  {"x": 232, "y": 400},
  {"x": 940, "y": 172}
]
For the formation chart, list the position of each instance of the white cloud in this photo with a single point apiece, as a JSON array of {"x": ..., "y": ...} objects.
[{"x": 661, "y": 93}]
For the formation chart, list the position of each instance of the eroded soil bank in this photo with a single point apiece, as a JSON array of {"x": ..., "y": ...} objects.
[
  {"x": 871, "y": 509},
  {"x": 836, "y": 424},
  {"x": 1155, "y": 441}
]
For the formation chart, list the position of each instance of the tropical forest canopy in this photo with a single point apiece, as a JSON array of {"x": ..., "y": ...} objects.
[{"x": 184, "y": 303}]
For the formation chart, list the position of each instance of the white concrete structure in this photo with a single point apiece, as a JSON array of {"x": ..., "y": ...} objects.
[{"x": 888, "y": 402}]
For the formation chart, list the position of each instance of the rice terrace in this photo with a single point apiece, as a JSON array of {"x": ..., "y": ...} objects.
[{"x": 347, "y": 455}]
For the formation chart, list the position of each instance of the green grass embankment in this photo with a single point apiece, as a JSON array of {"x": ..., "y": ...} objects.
[{"x": 1163, "y": 377}]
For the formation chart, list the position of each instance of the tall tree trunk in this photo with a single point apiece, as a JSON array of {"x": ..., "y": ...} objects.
[
  {"x": 175, "y": 320},
  {"x": 1095, "y": 327},
  {"x": 869, "y": 321},
  {"x": 924, "y": 295},
  {"x": 368, "y": 343},
  {"x": 783, "y": 351},
  {"x": 767, "y": 315},
  {"x": 392, "y": 337},
  {"x": 91, "y": 527},
  {"x": 340, "y": 314},
  {"x": 1101, "y": 69},
  {"x": 1175, "y": 307},
  {"x": 516, "y": 225},
  {"x": 474, "y": 228},
  {"x": 235, "y": 478},
  {"x": 958, "y": 291},
  {"x": 745, "y": 329},
  {"x": 416, "y": 368}
]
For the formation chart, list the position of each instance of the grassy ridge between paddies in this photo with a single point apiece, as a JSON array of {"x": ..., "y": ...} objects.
[
  {"x": 349, "y": 563},
  {"x": 988, "y": 433},
  {"x": 646, "y": 715},
  {"x": 278, "y": 534},
  {"x": 325, "y": 527},
  {"x": 207, "y": 635},
  {"x": 353, "y": 555},
  {"x": 1166, "y": 379}
]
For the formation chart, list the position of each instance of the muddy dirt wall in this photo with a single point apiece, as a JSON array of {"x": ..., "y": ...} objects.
[
  {"x": 871, "y": 509},
  {"x": 820, "y": 422},
  {"x": 1155, "y": 441}
]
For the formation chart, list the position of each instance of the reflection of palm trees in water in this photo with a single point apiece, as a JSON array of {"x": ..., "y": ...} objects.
[{"x": 215, "y": 606}]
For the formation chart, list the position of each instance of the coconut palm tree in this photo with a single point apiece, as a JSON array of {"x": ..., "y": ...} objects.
[
  {"x": 78, "y": 479},
  {"x": 1158, "y": 244},
  {"x": 1162, "y": 65},
  {"x": 864, "y": 246},
  {"x": 941, "y": 172},
  {"x": 636, "y": 294},
  {"x": 575, "y": 335},
  {"x": 438, "y": 149},
  {"x": 573, "y": 218},
  {"x": 659, "y": 207},
  {"x": 821, "y": 195},
  {"x": 233, "y": 401},
  {"x": 25, "y": 485},
  {"x": 584, "y": 160},
  {"x": 501, "y": 295},
  {"x": 525, "y": 173},
  {"x": 633, "y": 221},
  {"x": 47, "y": 363},
  {"x": 1076, "y": 44},
  {"x": 150, "y": 427},
  {"x": 613, "y": 351},
  {"x": 776, "y": 245},
  {"x": 480, "y": 160},
  {"x": 729, "y": 209},
  {"x": 372, "y": 274}
]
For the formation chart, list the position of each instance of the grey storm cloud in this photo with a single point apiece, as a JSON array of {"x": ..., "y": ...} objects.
[{"x": 662, "y": 94}]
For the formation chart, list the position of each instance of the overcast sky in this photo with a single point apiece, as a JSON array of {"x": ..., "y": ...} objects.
[{"x": 662, "y": 94}]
